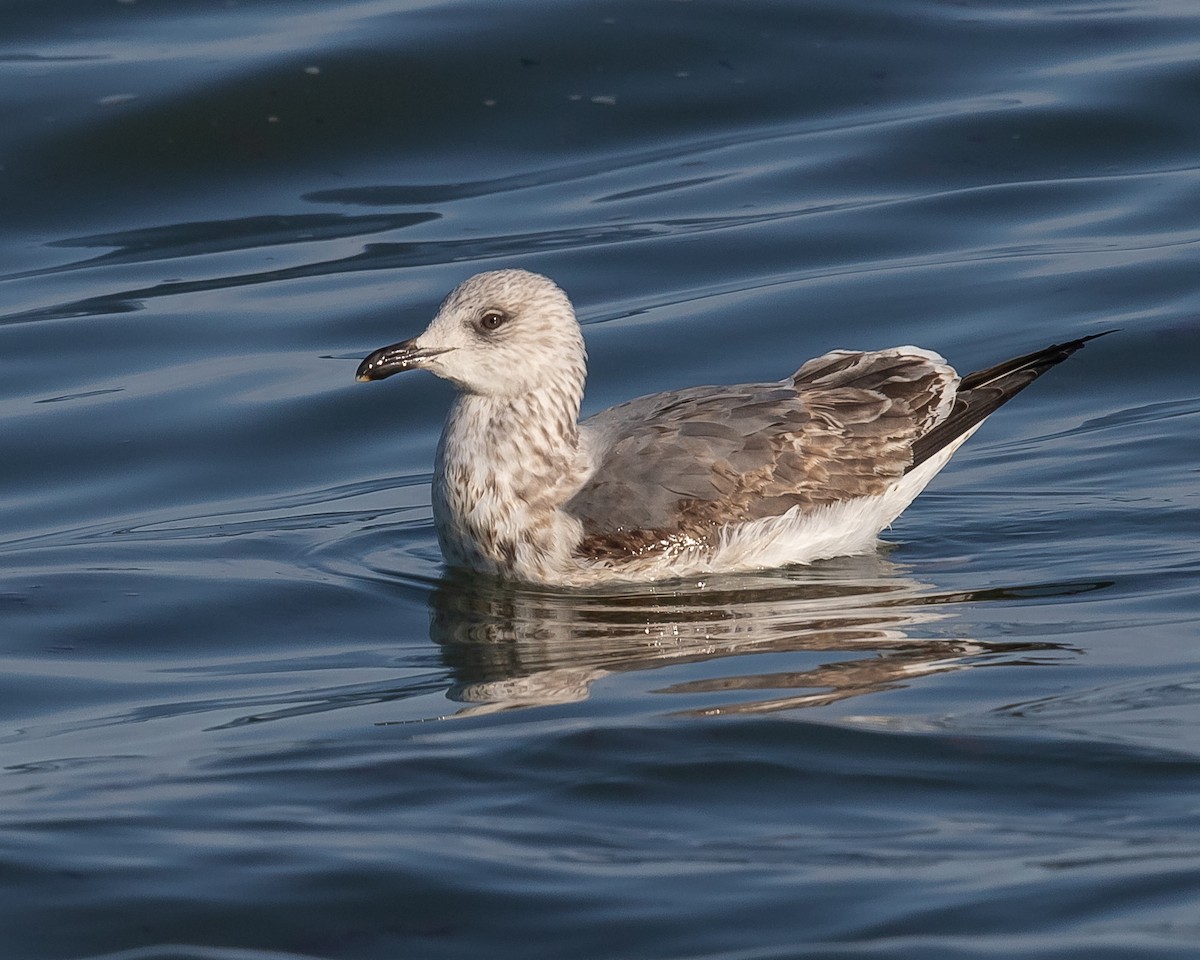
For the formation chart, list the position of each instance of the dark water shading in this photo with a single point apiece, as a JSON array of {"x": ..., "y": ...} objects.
[
  {"x": 248, "y": 715},
  {"x": 612, "y": 860}
]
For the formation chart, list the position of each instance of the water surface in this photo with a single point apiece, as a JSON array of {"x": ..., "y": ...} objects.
[{"x": 247, "y": 712}]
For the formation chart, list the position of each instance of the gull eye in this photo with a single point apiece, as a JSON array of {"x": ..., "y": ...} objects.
[{"x": 491, "y": 320}]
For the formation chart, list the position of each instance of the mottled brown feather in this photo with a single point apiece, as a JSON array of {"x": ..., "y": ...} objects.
[
  {"x": 842, "y": 427},
  {"x": 845, "y": 425}
]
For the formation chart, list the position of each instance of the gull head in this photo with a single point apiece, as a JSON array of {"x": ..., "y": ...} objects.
[{"x": 504, "y": 333}]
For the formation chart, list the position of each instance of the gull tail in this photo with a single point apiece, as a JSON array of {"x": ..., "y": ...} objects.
[{"x": 981, "y": 393}]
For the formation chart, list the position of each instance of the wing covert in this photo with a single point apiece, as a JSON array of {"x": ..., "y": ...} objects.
[{"x": 684, "y": 463}]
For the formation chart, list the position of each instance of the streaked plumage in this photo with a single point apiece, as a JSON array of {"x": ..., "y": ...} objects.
[{"x": 708, "y": 479}]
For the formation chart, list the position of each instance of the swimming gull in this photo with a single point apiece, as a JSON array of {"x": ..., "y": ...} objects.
[{"x": 687, "y": 482}]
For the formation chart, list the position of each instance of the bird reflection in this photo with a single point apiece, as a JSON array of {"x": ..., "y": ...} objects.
[{"x": 510, "y": 645}]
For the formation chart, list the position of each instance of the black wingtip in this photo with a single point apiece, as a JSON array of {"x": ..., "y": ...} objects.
[
  {"x": 983, "y": 392},
  {"x": 1037, "y": 362},
  {"x": 1073, "y": 345}
]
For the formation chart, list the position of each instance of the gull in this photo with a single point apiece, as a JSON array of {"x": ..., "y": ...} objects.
[{"x": 706, "y": 480}]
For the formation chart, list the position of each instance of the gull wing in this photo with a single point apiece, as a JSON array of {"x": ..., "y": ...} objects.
[{"x": 684, "y": 463}]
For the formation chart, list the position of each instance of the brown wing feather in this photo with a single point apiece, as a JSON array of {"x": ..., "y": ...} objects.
[
  {"x": 677, "y": 466},
  {"x": 674, "y": 467}
]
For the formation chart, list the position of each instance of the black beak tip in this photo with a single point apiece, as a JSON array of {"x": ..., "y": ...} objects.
[
  {"x": 397, "y": 358},
  {"x": 383, "y": 362},
  {"x": 364, "y": 372}
]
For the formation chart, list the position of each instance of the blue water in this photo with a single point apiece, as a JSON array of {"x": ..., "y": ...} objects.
[{"x": 247, "y": 713}]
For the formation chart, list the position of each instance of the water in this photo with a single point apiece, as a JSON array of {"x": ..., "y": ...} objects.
[{"x": 248, "y": 714}]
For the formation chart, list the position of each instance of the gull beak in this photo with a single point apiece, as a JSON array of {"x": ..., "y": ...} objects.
[{"x": 406, "y": 355}]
